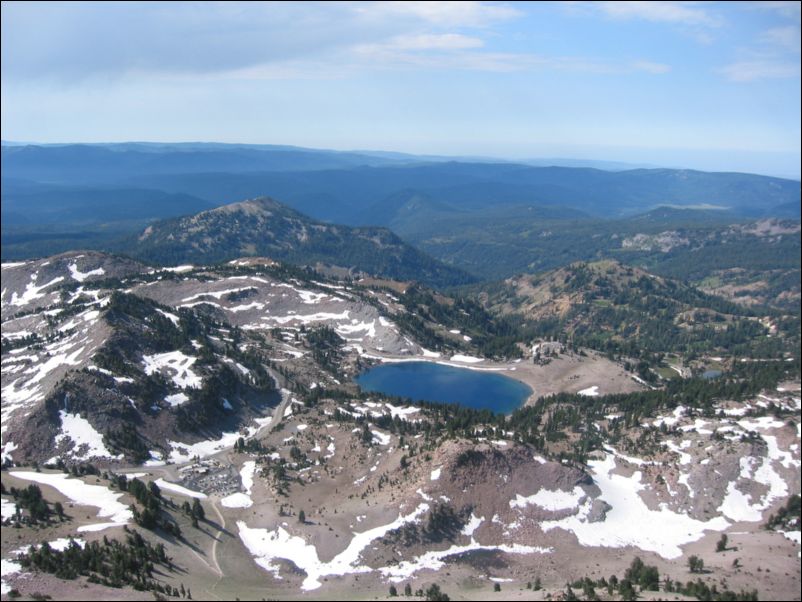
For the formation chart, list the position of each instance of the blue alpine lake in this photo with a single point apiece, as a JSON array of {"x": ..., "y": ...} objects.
[{"x": 428, "y": 381}]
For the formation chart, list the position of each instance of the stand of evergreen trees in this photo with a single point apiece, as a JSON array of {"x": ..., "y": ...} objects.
[
  {"x": 640, "y": 577},
  {"x": 111, "y": 563}
]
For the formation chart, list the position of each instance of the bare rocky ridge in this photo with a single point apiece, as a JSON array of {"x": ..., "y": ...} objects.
[
  {"x": 265, "y": 227},
  {"x": 29, "y": 285},
  {"x": 146, "y": 363}
]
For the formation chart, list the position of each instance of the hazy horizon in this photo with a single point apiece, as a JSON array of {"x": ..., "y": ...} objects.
[
  {"x": 709, "y": 86},
  {"x": 619, "y": 156}
]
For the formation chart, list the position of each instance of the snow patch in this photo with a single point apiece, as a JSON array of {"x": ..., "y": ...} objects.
[
  {"x": 267, "y": 546},
  {"x": 32, "y": 291},
  {"x": 550, "y": 500},
  {"x": 624, "y": 523},
  {"x": 382, "y": 438},
  {"x": 466, "y": 359},
  {"x": 176, "y": 399},
  {"x": 81, "y": 276},
  {"x": 242, "y": 499},
  {"x": 7, "y": 509},
  {"x": 176, "y": 362},
  {"x": 175, "y": 488},
  {"x": 81, "y": 493},
  {"x": 82, "y": 433},
  {"x": 172, "y": 317}
]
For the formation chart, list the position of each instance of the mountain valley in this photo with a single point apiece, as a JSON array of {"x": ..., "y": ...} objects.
[
  {"x": 229, "y": 387},
  {"x": 181, "y": 415}
]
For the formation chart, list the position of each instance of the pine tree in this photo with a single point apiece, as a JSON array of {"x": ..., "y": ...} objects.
[
  {"x": 696, "y": 564},
  {"x": 197, "y": 510}
]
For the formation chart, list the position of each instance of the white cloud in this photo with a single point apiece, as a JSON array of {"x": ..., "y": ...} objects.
[
  {"x": 72, "y": 42},
  {"x": 453, "y": 57},
  {"x": 787, "y": 38},
  {"x": 749, "y": 71},
  {"x": 388, "y": 57},
  {"x": 447, "y": 14},
  {"x": 684, "y": 13},
  {"x": 651, "y": 67},
  {"x": 786, "y": 9},
  {"x": 445, "y": 41}
]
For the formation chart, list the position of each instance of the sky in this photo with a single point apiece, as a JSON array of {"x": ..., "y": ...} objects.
[{"x": 706, "y": 85}]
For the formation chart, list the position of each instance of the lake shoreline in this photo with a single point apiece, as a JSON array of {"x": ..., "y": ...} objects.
[
  {"x": 440, "y": 383},
  {"x": 568, "y": 373}
]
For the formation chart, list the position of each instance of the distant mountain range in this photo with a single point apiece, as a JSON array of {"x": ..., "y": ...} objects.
[
  {"x": 340, "y": 186},
  {"x": 492, "y": 219}
]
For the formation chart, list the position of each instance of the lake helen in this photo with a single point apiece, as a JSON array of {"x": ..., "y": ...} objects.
[{"x": 446, "y": 384}]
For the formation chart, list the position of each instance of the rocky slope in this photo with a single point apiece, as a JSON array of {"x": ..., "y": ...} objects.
[
  {"x": 622, "y": 309},
  {"x": 228, "y": 385},
  {"x": 105, "y": 358}
]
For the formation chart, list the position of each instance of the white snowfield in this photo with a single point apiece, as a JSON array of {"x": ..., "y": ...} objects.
[
  {"x": 381, "y": 438},
  {"x": 795, "y": 536},
  {"x": 269, "y": 545},
  {"x": 466, "y": 359},
  {"x": 176, "y": 363},
  {"x": 684, "y": 457},
  {"x": 60, "y": 544},
  {"x": 309, "y": 318},
  {"x": 590, "y": 391},
  {"x": 433, "y": 560},
  {"x": 172, "y": 317},
  {"x": 32, "y": 292},
  {"x": 7, "y": 509},
  {"x": 630, "y": 522},
  {"x": 103, "y": 498},
  {"x": 175, "y": 488},
  {"x": 367, "y": 328},
  {"x": 156, "y": 459},
  {"x": 242, "y": 499},
  {"x": 28, "y": 376},
  {"x": 376, "y": 409},
  {"x": 7, "y": 568},
  {"x": 739, "y": 507},
  {"x": 550, "y": 500},
  {"x": 246, "y": 307},
  {"x": 215, "y": 294},
  {"x": 81, "y": 276},
  {"x": 176, "y": 399},
  {"x": 184, "y": 452},
  {"x": 84, "y": 437},
  {"x": 87, "y": 316}
]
